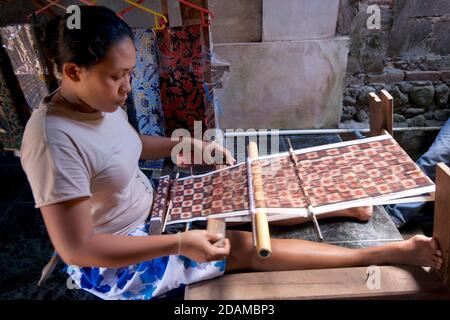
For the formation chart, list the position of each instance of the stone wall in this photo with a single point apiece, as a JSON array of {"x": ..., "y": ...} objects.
[{"x": 409, "y": 57}]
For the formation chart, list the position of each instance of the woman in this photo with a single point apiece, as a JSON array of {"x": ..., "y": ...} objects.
[{"x": 81, "y": 159}]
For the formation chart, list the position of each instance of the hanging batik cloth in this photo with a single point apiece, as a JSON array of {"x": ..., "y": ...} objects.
[
  {"x": 145, "y": 107},
  {"x": 182, "y": 63},
  {"x": 20, "y": 45}
]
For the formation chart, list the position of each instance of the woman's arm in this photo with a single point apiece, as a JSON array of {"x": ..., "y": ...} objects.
[
  {"x": 154, "y": 148},
  {"x": 70, "y": 227}
]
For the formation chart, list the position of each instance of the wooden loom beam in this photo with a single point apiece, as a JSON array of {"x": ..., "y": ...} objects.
[
  {"x": 381, "y": 113},
  {"x": 259, "y": 217},
  {"x": 441, "y": 229},
  {"x": 388, "y": 108}
]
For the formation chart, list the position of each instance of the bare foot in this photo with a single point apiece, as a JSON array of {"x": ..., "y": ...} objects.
[{"x": 420, "y": 251}]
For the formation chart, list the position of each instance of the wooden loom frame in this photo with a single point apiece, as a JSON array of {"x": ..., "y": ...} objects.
[{"x": 348, "y": 283}]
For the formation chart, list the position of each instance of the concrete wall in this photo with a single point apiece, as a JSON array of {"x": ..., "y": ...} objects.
[
  {"x": 284, "y": 84},
  {"x": 299, "y": 19},
  {"x": 293, "y": 79},
  {"x": 236, "y": 21}
]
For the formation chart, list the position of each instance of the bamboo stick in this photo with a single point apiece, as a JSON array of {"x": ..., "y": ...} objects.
[{"x": 261, "y": 225}]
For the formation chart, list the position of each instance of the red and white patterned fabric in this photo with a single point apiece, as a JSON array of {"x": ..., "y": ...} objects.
[{"x": 349, "y": 174}]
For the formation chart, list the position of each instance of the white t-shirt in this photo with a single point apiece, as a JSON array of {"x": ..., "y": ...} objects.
[{"x": 68, "y": 154}]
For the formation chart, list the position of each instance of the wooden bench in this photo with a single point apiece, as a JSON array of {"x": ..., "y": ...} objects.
[{"x": 385, "y": 282}]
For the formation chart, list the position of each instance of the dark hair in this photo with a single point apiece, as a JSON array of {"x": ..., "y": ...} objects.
[{"x": 100, "y": 29}]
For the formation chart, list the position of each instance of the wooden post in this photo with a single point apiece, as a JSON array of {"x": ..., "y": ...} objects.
[
  {"x": 165, "y": 11},
  {"x": 261, "y": 225},
  {"x": 381, "y": 113},
  {"x": 376, "y": 115},
  {"x": 441, "y": 229},
  {"x": 217, "y": 226},
  {"x": 387, "y": 102}
]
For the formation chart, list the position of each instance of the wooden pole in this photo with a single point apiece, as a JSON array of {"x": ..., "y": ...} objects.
[
  {"x": 217, "y": 226},
  {"x": 441, "y": 229},
  {"x": 381, "y": 110},
  {"x": 376, "y": 115},
  {"x": 165, "y": 11},
  {"x": 261, "y": 226},
  {"x": 387, "y": 102}
]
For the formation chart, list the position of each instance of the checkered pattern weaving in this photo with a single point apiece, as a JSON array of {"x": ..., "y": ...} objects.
[
  {"x": 222, "y": 191},
  {"x": 332, "y": 175}
]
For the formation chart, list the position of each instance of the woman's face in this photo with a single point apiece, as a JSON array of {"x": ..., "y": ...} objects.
[{"x": 105, "y": 86}]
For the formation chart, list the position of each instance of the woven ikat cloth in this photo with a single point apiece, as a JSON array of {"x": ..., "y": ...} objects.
[
  {"x": 330, "y": 176},
  {"x": 161, "y": 199},
  {"x": 336, "y": 175}
]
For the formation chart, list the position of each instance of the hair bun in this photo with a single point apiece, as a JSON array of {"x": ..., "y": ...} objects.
[
  {"x": 51, "y": 38},
  {"x": 100, "y": 29}
]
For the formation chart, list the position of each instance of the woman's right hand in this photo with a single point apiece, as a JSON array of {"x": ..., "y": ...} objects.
[{"x": 198, "y": 245}]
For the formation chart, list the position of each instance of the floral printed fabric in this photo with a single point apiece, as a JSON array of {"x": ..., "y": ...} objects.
[
  {"x": 146, "y": 96},
  {"x": 182, "y": 64},
  {"x": 146, "y": 280}
]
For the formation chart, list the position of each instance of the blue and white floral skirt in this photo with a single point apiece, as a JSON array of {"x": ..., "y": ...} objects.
[{"x": 146, "y": 280}]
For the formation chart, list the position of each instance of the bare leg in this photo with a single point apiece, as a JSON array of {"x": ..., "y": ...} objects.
[
  {"x": 288, "y": 254},
  {"x": 360, "y": 213}
]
